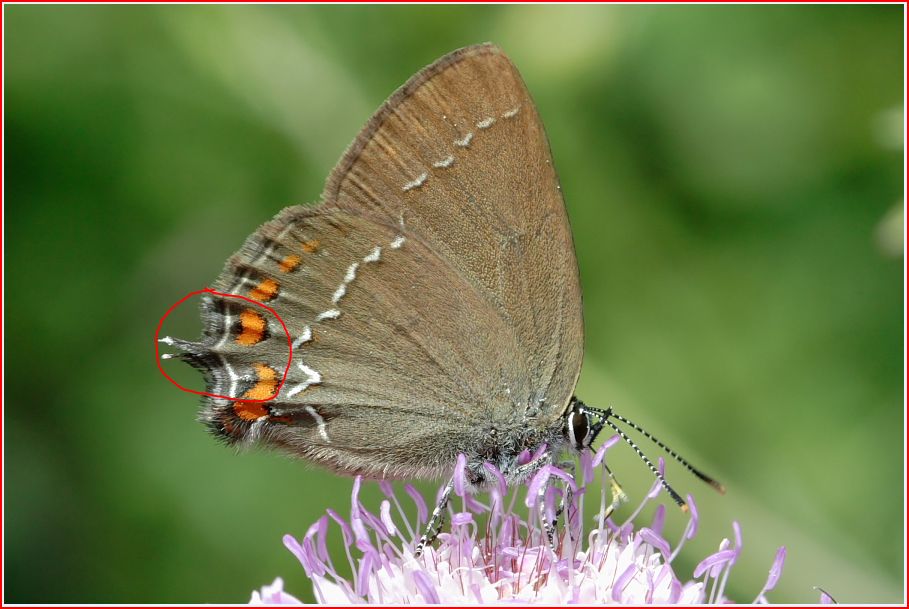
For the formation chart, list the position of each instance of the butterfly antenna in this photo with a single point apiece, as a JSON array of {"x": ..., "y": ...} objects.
[
  {"x": 675, "y": 496},
  {"x": 606, "y": 415},
  {"x": 717, "y": 485}
]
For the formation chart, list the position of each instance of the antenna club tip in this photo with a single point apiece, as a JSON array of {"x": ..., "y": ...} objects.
[
  {"x": 719, "y": 488},
  {"x": 684, "y": 507}
]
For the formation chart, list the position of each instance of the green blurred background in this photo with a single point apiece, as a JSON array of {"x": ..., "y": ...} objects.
[{"x": 734, "y": 179}]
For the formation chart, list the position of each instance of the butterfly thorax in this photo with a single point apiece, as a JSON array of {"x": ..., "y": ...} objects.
[{"x": 516, "y": 449}]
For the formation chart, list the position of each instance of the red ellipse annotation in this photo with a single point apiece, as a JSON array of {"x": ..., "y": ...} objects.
[{"x": 290, "y": 351}]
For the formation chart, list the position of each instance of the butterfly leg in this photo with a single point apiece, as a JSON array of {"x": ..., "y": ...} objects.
[
  {"x": 435, "y": 521},
  {"x": 550, "y": 525},
  {"x": 528, "y": 470},
  {"x": 547, "y": 524},
  {"x": 567, "y": 466}
]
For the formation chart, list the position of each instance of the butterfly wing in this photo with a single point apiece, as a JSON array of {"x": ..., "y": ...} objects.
[
  {"x": 433, "y": 291},
  {"x": 460, "y": 158}
]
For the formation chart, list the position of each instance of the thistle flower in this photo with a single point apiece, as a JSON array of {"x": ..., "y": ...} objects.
[{"x": 490, "y": 553}]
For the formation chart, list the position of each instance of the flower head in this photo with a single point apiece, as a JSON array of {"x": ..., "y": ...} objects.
[{"x": 493, "y": 552}]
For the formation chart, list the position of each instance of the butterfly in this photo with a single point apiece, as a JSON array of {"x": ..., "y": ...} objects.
[{"x": 432, "y": 298}]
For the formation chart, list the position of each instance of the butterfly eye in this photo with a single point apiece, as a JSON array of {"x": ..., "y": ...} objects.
[{"x": 578, "y": 429}]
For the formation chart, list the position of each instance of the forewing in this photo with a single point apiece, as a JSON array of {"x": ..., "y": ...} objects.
[{"x": 459, "y": 158}]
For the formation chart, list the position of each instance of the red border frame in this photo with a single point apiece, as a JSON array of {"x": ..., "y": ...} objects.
[{"x": 2, "y": 316}]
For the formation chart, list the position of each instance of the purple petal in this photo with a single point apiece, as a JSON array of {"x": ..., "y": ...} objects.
[
  {"x": 717, "y": 569},
  {"x": 656, "y": 541},
  {"x": 539, "y": 451},
  {"x": 363, "y": 573},
  {"x": 501, "y": 485},
  {"x": 365, "y": 546},
  {"x": 659, "y": 519},
  {"x": 549, "y": 502},
  {"x": 511, "y": 552},
  {"x": 568, "y": 478},
  {"x": 507, "y": 529},
  {"x": 427, "y": 590},
  {"x": 355, "y": 492},
  {"x": 692, "y": 528},
  {"x": 598, "y": 457},
  {"x": 665, "y": 571},
  {"x": 719, "y": 558},
  {"x": 474, "y": 505},
  {"x": 291, "y": 543},
  {"x": 619, "y": 586},
  {"x": 586, "y": 460},
  {"x": 386, "y": 487},
  {"x": 524, "y": 457},
  {"x": 776, "y": 569},
  {"x": 439, "y": 492},
  {"x": 648, "y": 598},
  {"x": 462, "y": 518},
  {"x": 356, "y": 519},
  {"x": 422, "y": 511},
  {"x": 388, "y": 554},
  {"x": 533, "y": 489},
  {"x": 826, "y": 599},
  {"x": 385, "y": 515},
  {"x": 345, "y": 529},
  {"x": 737, "y": 533},
  {"x": 318, "y": 566},
  {"x": 612, "y": 526},
  {"x": 373, "y": 522},
  {"x": 318, "y": 530},
  {"x": 459, "y": 478}
]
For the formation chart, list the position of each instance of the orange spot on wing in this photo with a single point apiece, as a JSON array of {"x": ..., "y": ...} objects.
[
  {"x": 265, "y": 388},
  {"x": 253, "y": 328},
  {"x": 290, "y": 263},
  {"x": 250, "y": 411},
  {"x": 265, "y": 372},
  {"x": 311, "y": 246},
  {"x": 265, "y": 291}
]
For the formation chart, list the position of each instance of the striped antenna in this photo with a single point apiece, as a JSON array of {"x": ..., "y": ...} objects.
[
  {"x": 675, "y": 496},
  {"x": 718, "y": 486},
  {"x": 606, "y": 415}
]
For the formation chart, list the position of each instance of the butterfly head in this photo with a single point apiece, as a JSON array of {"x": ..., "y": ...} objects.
[{"x": 580, "y": 428}]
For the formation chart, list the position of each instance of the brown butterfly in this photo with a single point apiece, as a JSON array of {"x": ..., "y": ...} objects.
[{"x": 432, "y": 297}]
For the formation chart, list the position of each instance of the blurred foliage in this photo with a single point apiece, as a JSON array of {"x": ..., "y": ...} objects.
[{"x": 726, "y": 174}]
